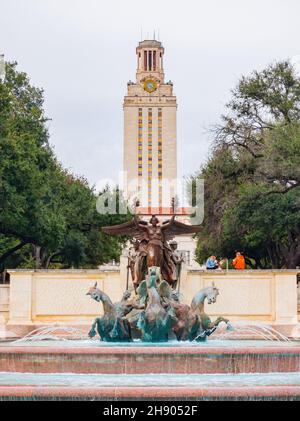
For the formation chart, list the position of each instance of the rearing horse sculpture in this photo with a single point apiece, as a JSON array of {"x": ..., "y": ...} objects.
[
  {"x": 200, "y": 325},
  {"x": 155, "y": 322},
  {"x": 155, "y": 315},
  {"x": 112, "y": 326}
]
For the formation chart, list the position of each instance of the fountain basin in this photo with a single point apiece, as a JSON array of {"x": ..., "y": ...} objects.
[
  {"x": 70, "y": 386},
  {"x": 98, "y": 358},
  {"x": 260, "y": 393}
]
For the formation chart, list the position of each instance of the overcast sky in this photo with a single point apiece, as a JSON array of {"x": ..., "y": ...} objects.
[{"x": 82, "y": 52}]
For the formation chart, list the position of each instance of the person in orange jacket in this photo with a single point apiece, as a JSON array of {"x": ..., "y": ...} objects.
[{"x": 239, "y": 261}]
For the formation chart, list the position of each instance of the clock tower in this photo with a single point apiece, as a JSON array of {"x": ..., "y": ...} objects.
[{"x": 150, "y": 150}]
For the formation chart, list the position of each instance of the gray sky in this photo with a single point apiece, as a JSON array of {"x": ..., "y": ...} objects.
[{"x": 82, "y": 52}]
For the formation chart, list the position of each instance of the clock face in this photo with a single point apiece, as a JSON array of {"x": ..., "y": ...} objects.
[{"x": 150, "y": 85}]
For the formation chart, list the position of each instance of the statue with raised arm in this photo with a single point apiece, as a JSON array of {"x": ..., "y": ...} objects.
[{"x": 153, "y": 247}]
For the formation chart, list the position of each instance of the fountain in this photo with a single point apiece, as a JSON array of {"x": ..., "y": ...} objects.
[
  {"x": 155, "y": 314},
  {"x": 152, "y": 345}
]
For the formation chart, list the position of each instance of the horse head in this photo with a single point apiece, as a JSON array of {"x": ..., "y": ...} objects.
[
  {"x": 95, "y": 293},
  {"x": 99, "y": 296},
  {"x": 126, "y": 295},
  {"x": 211, "y": 294},
  {"x": 153, "y": 277}
]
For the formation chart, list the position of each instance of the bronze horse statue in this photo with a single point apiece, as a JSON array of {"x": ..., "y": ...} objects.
[
  {"x": 155, "y": 314},
  {"x": 199, "y": 324},
  {"x": 112, "y": 326},
  {"x": 155, "y": 322}
]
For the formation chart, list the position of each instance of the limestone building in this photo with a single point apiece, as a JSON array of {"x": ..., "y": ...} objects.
[{"x": 150, "y": 150}]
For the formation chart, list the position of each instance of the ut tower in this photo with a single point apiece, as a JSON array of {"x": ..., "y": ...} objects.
[{"x": 150, "y": 149}]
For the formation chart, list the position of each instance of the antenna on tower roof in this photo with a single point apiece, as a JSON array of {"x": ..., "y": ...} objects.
[
  {"x": 154, "y": 34},
  {"x": 141, "y": 33},
  {"x": 158, "y": 36}
]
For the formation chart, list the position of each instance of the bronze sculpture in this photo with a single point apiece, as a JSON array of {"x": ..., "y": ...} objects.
[
  {"x": 112, "y": 326},
  {"x": 199, "y": 324},
  {"x": 152, "y": 248},
  {"x": 177, "y": 260},
  {"x": 155, "y": 313},
  {"x": 155, "y": 322}
]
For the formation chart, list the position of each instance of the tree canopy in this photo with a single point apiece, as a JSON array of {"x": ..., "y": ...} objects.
[
  {"x": 48, "y": 216},
  {"x": 252, "y": 184}
]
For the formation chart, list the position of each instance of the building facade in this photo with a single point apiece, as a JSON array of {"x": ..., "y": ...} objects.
[{"x": 150, "y": 150}]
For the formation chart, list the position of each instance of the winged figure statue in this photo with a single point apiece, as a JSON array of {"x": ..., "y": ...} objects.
[{"x": 152, "y": 245}]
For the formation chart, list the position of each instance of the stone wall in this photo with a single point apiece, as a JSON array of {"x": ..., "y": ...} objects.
[
  {"x": 59, "y": 296},
  {"x": 254, "y": 295}
]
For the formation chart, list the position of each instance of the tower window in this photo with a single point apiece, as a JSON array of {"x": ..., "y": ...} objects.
[{"x": 150, "y": 60}]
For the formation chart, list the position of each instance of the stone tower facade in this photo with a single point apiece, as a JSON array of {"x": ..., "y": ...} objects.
[{"x": 150, "y": 149}]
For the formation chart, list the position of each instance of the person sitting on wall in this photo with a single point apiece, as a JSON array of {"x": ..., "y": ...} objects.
[
  {"x": 212, "y": 263},
  {"x": 222, "y": 264},
  {"x": 239, "y": 261}
]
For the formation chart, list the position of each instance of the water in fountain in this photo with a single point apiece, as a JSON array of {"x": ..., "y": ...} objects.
[
  {"x": 235, "y": 335},
  {"x": 53, "y": 333},
  {"x": 263, "y": 332}
]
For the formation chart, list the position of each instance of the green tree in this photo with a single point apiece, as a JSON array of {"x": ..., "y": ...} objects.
[
  {"x": 26, "y": 161},
  {"x": 252, "y": 188},
  {"x": 46, "y": 214}
]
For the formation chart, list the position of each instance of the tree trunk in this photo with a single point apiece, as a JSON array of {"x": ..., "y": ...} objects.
[
  {"x": 11, "y": 251},
  {"x": 291, "y": 254},
  {"x": 49, "y": 259},
  {"x": 37, "y": 256}
]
